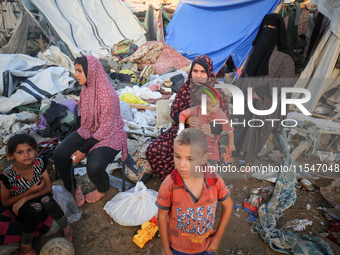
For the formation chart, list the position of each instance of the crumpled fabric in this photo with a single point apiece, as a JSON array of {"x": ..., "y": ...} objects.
[
  {"x": 143, "y": 92},
  {"x": 146, "y": 54},
  {"x": 282, "y": 240}
]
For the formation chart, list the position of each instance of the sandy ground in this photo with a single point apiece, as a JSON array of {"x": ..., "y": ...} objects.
[{"x": 97, "y": 233}]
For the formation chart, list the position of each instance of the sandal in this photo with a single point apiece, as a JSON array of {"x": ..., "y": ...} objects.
[
  {"x": 30, "y": 252},
  {"x": 79, "y": 196},
  {"x": 94, "y": 196}
]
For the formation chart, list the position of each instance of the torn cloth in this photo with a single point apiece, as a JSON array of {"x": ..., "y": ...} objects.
[{"x": 282, "y": 240}]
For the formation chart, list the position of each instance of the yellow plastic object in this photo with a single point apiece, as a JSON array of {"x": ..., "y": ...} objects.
[
  {"x": 148, "y": 230},
  {"x": 130, "y": 98}
]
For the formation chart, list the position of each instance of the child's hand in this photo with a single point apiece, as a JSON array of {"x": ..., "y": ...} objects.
[
  {"x": 193, "y": 121},
  {"x": 206, "y": 129},
  {"x": 231, "y": 147},
  {"x": 167, "y": 252},
  {"x": 17, "y": 205},
  {"x": 214, "y": 242},
  {"x": 38, "y": 186}
]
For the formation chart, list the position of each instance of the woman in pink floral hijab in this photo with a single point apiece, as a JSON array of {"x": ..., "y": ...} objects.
[{"x": 101, "y": 135}]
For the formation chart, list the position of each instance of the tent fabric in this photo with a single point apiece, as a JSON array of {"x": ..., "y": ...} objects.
[
  {"x": 43, "y": 85},
  {"x": 331, "y": 9},
  {"x": 320, "y": 74},
  {"x": 23, "y": 82},
  {"x": 15, "y": 67},
  {"x": 18, "y": 41},
  {"x": 9, "y": 18},
  {"x": 91, "y": 27},
  {"x": 217, "y": 28}
]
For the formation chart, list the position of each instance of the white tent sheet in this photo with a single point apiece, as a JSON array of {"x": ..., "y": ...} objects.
[
  {"x": 331, "y": 9},
  {"x": 91, "y": 26},
  {"x": 320, "y": 75},
  {"x": 8, "y": 16},
  {"x": 44, "y": 84},
  {"x": 13, "y": 66}
]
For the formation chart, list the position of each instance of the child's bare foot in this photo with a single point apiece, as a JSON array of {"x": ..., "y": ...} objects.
[
  {"x": 27, "y": 250},
  {"x": 67, "y": 232},
  {"x": 79, "y": 197},
  {"x": 94, "y": 196}
]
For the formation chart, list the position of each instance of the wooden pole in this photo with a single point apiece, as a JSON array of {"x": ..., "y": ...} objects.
[{"x": 2, "y": 15}]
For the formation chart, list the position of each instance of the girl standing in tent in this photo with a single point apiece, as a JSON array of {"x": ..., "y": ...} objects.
[
  {"x": 269, "y": 59},
  {"x": 101, "y": 135},
  {"x": 160, "y": 152}
]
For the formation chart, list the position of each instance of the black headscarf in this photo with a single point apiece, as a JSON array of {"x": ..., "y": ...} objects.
[
  {"x": 83, "y": 62},
  {"x": 264, "y": 44}
]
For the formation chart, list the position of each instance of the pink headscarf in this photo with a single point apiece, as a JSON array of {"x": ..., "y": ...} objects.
[{"x": 100, "y": 110}]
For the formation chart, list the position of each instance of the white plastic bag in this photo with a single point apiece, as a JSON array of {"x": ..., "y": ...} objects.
[
  {"x": 67, "y": 203},
  {"x": 133, "y": 207}
]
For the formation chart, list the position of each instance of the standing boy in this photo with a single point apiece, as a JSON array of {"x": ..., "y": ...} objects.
[{"x": 189, "y": 196}]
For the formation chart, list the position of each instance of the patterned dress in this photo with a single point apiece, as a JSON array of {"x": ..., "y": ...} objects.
[
  {"x": 18, "y": 184},
  {"x": 160, "y": 152},
  {"x": 100, "y": 110},
  {"x": 11, "y": 228}
]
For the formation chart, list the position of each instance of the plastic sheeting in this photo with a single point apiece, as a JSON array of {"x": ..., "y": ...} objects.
[
  {"x": 13, "y": 68},
  {"x": 18, "y": 42},
  {"x": 331, "y": 9},
  {"x": 44, "y": 84},
  {"x": 91, "y": 26},
  {"x": 320, "y": 74},
  {"x": 9, "y": 18},
  {"x": 217, "y": 28}
]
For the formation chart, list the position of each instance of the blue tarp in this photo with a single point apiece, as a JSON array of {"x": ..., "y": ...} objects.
[{"x": 217, "y": 28}]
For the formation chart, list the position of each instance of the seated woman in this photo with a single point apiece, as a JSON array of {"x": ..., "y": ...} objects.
[
  {"x": 101, "y": 135},
  {"x": 160, "y": 152}
]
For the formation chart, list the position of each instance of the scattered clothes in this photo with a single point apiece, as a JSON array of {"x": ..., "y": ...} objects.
[
  {"x": 329, "y": 155},
  {"x": 16, "y": 122},
  {"x": 130, "y": 98},
  {"x": 282, "y": 240},
  {"x": 169, "y": 58},
  {"x": 148, "y": 53},
  {"x": 60, "y": 121},
  {"x": 299, "y": 224},
  {"x": 142, "y": 92},
  {"x": 54, "y": 57}
]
